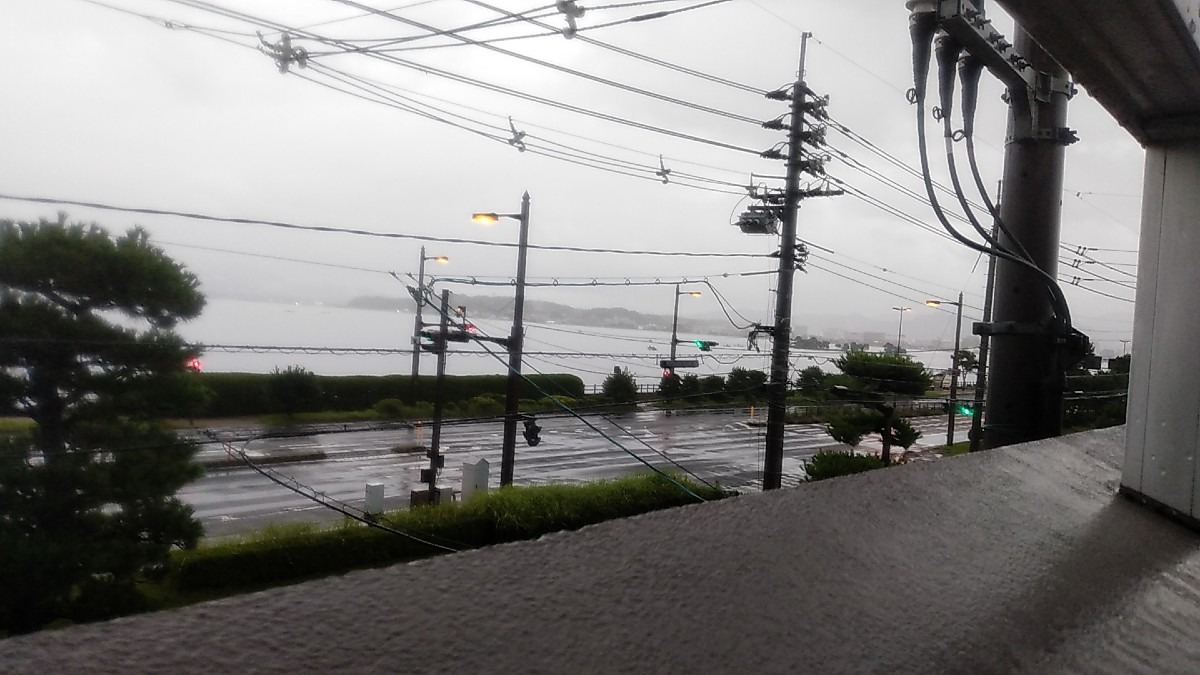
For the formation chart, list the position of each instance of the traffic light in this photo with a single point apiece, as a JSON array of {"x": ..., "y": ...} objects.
[
  {"x": 704, "y": 345},
  {"x": 436, "y": 338},
  {"x": 965, "y": 409},
  {"x": 532, "y": 431}
]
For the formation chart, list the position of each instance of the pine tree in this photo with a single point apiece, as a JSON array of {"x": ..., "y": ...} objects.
[{"x": 87, "y": 352}]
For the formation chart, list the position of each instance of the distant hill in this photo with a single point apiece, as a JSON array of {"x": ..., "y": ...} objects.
[{"x": 540, "y": 311}]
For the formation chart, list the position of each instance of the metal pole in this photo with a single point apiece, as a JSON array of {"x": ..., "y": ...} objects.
[
  {"x": 777, "y": 388},
  {"x": 985, "y": 342},
  {"x": 1025, "y": 399},
  {"x": 438, "y": 399},
  {"x": 674, "y": 333},
  {"x": 900, "y": 330},
  {"x": 954, "y": 372},
  {"x": 512, "y": 398},
  {"x": 416, "y": 359}
]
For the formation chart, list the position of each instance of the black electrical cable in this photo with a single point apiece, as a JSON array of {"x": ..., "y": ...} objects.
[
  {"x": 970, "y": 70},
  {"x": 630, "y": 53},
  {"x": 554, "y": 66},
  {"x": 368, "y": 233},
  {"x": 431, "y": 70},
  {"x": 948, "y": 49},
  {"x": 922, "y": 27}
]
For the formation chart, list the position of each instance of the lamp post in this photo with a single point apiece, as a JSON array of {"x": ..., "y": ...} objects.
[
  {"x": 900, "y": 330},
  {"x": 953, "y": 363},
  {"x": 675, "y": 326},
  {"x": 512, "y": 398},
  {"x": 417, "y": 324}
]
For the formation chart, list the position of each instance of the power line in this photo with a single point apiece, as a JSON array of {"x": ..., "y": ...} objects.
[
  {"x": 430, "y": 70},
  {"x": 368, "y": 233},
  {"x": 633, "y": 54},
  {"x": 554, "y": 66}
]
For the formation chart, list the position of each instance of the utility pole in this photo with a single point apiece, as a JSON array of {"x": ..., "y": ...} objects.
[
  {"x": 954, "y": 371},
  {"x": 436, "y": 461},
  {"x": 1025, "y": 396},
  {"x": 900, "y": 328},
  {"x": 418, "y": 325},
  {"x": 674, "y": 335},
  {"x": 512, "y": 398},
  {"x": 976, "y": 435},
  {"x": 782, "y": 334},
  {"x": 790, "y": 254}
]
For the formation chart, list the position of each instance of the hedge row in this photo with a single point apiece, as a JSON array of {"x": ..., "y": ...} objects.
[
  {"x": 510, "y": 514},
  {"x": 236, "y": 394}
]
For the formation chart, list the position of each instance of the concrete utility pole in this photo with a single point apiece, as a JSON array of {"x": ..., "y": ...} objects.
[
  {"x": 954, "y": 367},
  {"x": 985, "y": 341},
  {"x": 674, "y": 334},
  {"x": 516, "y": 339},
  {"x": 791, "y": 255},
  {"x": 900, "y": 328},
  {"x": 439, "y": 403},
  {"x": 782, "y": 334},
  {"x": 418, "y": 326},
  {"x": 1025, "y": 395}
]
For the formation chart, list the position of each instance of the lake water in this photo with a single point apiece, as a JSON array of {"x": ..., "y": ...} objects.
[{"x": 549, "y": 348}]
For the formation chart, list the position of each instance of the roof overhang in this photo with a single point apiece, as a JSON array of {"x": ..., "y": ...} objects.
[{"x": 1139, "y": 58}]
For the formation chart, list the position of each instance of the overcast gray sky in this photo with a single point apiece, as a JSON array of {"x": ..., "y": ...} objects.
[{"x": 104, "y": 106}]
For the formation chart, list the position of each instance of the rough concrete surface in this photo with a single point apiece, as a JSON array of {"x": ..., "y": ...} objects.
[{"x": 1014, "y": 560}]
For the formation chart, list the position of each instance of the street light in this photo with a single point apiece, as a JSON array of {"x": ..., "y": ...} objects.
[
  {"x": 675, "y": 326},
  {"x": 512, "y": 397},
  {"x": 900, "y": 330},
  {"x": 953, "y": 363},
  {"x": 417, "y": 324}
]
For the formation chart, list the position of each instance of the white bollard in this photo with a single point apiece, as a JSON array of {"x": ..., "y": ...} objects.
[{"x": 374, "y": 502}]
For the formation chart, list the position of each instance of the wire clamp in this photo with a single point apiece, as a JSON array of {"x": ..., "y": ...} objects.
[
  {"x": 663, "y": 172},
  {"x": 518, "y": 137},
  {"x": 283, "y": 53},
  {"x": 571, "y": 10}
]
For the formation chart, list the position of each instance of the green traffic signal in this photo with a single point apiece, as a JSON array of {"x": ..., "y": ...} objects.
[
  {"x": 704, "y": 345},
  {"x": 965, "y": 410}
]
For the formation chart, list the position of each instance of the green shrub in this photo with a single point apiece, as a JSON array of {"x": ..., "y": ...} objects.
[
  {"x": 389, "y": 408},
  {"x": 238, "y": 394},
  {"x": 287, "y": 554},
  {"x": 295, "y": 389},
  {"x": 483, "y": 406},
  {"x": 620, "y": 387},
  {"x": 833, "y": 463}
]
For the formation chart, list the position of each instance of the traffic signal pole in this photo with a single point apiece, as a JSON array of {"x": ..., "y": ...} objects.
[{"x": 782, "y": 333}]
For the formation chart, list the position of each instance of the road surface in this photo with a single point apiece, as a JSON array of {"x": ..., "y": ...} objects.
[{"x": 722, "y": 446}]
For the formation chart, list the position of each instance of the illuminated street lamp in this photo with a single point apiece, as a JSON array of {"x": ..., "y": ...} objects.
[
  {"x": 512, "y": 397},
  {"x": 417, "y": 326},
  {"x": 953, "y": 363}
]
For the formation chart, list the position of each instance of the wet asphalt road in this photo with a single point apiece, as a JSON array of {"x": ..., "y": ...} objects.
[{"x": 721, "y": 446}]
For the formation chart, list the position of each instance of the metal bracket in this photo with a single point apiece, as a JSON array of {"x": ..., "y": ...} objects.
[
  {"x": 963, "y": 20},
  {"x": 1046, "y": 85},
  {"x": 1008, "y": 328}
]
